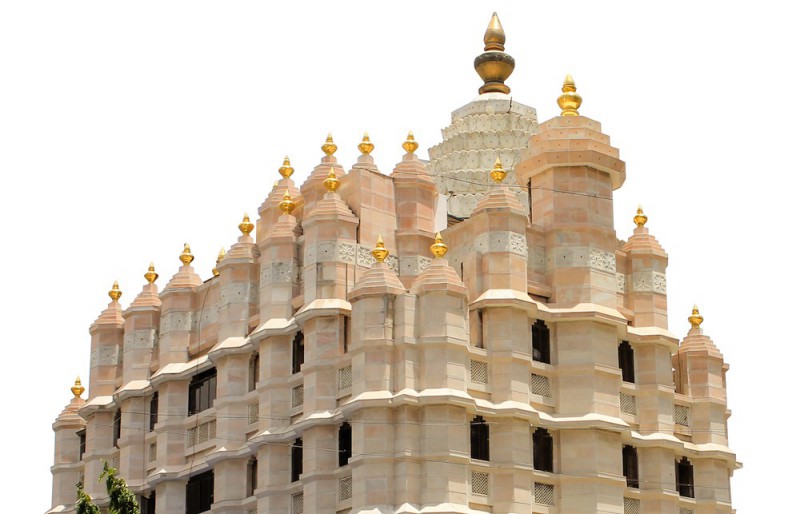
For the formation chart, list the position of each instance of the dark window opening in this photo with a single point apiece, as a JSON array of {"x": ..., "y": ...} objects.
[
  {"x": 345, "y": 443},
  {"x": 479, "y": 439},
  {"x": 540, "y": 342},
  {"x": 255, "y": 372},
  {"x": 252, "y": 476},
  {"x": 147, "y": 504},
  {"x": 346, "y": 329},
  {"x": 298, "y": 352},
  {"x": 625, "y": 353},
  {"x": 297, "y": 460},
  {"x": 684, "y": 478},
  {"x": 117, "y": 428},
  {"x": 81, "y": 443},
  {"x": 153, "y": 411},
  {"x": 200, "y": 493},
  {"x": 542, "y": 450},
  {"x": 202, "y": 391},
  {"x": 630, "y": 465}
]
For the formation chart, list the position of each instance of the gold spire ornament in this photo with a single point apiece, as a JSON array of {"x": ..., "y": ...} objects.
[
  {"x": 151, "y": 276},
  {"x": 640, "y": 219},
  {"x": 186, "y": 256},
  {"x": 331, "y": 183},
  {"x": 245, "y": 226},
  {"x": 569, "y": 101},
  {"x": 438, "y": 248},
  {"x": 498, "y": 174},
  {"x": 329, "y": 147},
  {"x": 221, "y": 256},
  {"x": 695, "y": 319},
  {"x": 287, "y": 204},
  {"x": 494, "y": 66},
  {"x": 77, "y": 389},
  {"x": 365, "y": 146},
  {"x": 410, "y": 145},
  {"x": 286, "y": 169},
  {"x": 115, "y": 293},
  {"x": 380, "y": 252}
]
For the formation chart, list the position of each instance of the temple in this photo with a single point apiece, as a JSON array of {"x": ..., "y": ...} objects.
[{"x": 464, "y": 335}]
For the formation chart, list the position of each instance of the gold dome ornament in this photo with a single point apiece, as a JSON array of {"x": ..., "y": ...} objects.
[
  {"x": 151, "y": 276},
  {"x": 498, "y": 174},
  {"x": 365, "y": 146},
  {"x": 438, "y": 248},
  {"x": 380, "y": 252},
  {"x": 695, "y": 319},
  {"x": 245, "y": 226},
  {"x": 331, "y": 183},
  {"x": 186, "y": 256},
  {"x": 569, "y": 101},
  {"x": 329, "y": 147},
  {"x": 286, "y": 169},
  {"x": 494, "y": 66},
  {"x": 640, "y": 219},
  {"x": 77, "y": 389},
  {"x": 287, "y": 204},
  {"x": 221, "y": 256},
  {"x": 410, "y": 145},
  {"x": 115, "y": 293}
]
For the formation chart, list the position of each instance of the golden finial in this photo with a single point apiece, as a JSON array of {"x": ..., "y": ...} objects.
[
  {"x": 275, "y": 184},
  {"x": 221, "y": 256},
  {"x": 569, "y": 101},
  {"x": 640, "y": 219},
  {"x": 329, "y": 147},
  {"x": 494, "y": 65},
  {"x": 409, "y": 145},
  {"x": 151, "y": 276},
  {"x": 245, "y": 226},
  {"x": 331, "y": 183},
  {"x": 380, "y": 252},
  {"x": 115, "y": 293},
  {"x": 286, "y": 170},
  {"x": 495, "y": 36},
  {"x": 77, "y": 389},
  {"x": 695, "y": 319},
  {"x": 286, "y": 205},
  {"x": 365, "y": 146},
  {"x": 498, "y": 174},
  {"x": 438, "y": 248},
  {"x": 186, "y": 256}
]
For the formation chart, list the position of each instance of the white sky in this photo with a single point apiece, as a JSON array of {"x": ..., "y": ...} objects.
[{"x": 129, "y": 128}]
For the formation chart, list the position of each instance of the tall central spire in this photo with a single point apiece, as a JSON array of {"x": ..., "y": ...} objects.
[{"x": 494, "y": 65}]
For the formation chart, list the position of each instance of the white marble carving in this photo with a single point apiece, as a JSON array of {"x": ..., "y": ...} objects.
[{"x": 620, "y": 282}]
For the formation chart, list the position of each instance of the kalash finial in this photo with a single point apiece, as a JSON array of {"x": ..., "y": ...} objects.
[
  {"x": 77, "y": 389},
  {"x": 186, "y": 256},
  {"x": 329, "y": 147},
  {"x": 695, "y": 319},
  {"x": 331, "y": 183},
  {"x": 286, "y": 169},
  {"x": 640, "y": 219},
  {"x": 498, "y": 174},
  {"x": 410, "y": 145},
  {"x": 246, "y": 226},
  {"x": 115, "y": 293},
  {"x": 438, "y": 248},
  {"x": 287, "y": 204},
  {"x": 221, "y": 256},
  {"x": 494, "y": 65},
  {"x": 151, "y": 276},
  {"x": 569, "y": 101},
  {"x": 380, "y": 252},
  {"x": 365, "y": 146}
]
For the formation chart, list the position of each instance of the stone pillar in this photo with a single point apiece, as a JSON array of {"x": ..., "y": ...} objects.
[
  {"x": 142, "y": 319},
  {"x": 67, "y": 466},
  {"x": 238, "y": 284},
  {"x": 268, "y": 212},
  {"x": 177, "y": 313},
  {"x": 278, "y": 267},
  {"x": 107, "y": 341}
]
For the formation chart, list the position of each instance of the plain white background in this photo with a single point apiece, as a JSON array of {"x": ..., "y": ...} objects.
[{"x": 129, "y": 128}]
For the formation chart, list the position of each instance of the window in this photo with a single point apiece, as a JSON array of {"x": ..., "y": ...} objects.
[
  {"x": 542, "y": 450},
  {"x": 625, "y": 353},
  {"x": 297, "y": 460},
  {"x": 255, "y": 372},
  {"x": 200, "y": 493},
  {"x": 153, "y": 411},
  {"x": 684, "y": 478},
  {"x": 147, "y": 504},
  {"x": 346, "y": 338},
  {"x": 81, "y": 443},
  {"x": 540, "y": 342},
  {"x": 630, "y": 465},
  {"x": 252, "y": 476},
  {"x": 345, "y": 443},
  {"x": 298, "y": 352},
  {"x": 202, "y": 391},
  {"x": 117, "y": 428},
  {"x": 479, "y": 439}
]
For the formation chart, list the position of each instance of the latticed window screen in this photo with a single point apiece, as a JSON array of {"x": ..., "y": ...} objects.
[
  {"x": 345, "y": 377},
  {"x": 479, "y": 372},
  {"x": 544, "y": 494},
  {"x": 252, "y": 413},
  {"x": 297, "y": 503},
  {"x": 297, "y": 396},
  {"x": 632, "y": 506},
  {"x": 480, "y": 483},
  {"x": 345, "y": 488},
  {"x": 201, "y": 433},
  {"x": 253, "y": 510},
  {"x": 152, "y": 453},
  {"x": 684, "y": 510},
  {"x": 627, "y": 403},
  {"x": 681, "y": 415},
  {"x": 540, "y": 384}
]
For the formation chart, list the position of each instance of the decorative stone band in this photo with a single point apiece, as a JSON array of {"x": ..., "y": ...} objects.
[
  {"x": 278, "y": 272},
  {"x": 349, "y": 253},
  {"x": 238, "y": 292},
  {"x": 413, "y": 264},
  {"x": 582, "y": 257},
  {"x": 137, "y": 339},
  {"x": 502, "y": 242},
  {"x": 620, "y": 282},
  {"x": 173, "y": 321},
  {"x": 649, "y": 282},
  {"x": 104, "y": 356}
]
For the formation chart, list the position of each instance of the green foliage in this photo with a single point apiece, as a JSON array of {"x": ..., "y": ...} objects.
[
  {"x": 84, "y": 504},
  {"x": 121, "y": 499}
]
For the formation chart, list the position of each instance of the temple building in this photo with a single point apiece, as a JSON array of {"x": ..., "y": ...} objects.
[{"x": 462, "y": 335}]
